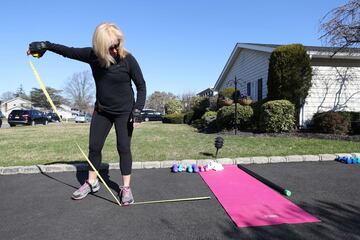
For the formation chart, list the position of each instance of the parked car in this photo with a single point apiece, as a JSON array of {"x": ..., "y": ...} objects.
[
  {"x": 151, "y": 115},
  {"x": 53, "y": 117},
  {"x": 27, "y": 117},
  {"x": 1, "y": 117},
  {"x": 83, "y": 118}
]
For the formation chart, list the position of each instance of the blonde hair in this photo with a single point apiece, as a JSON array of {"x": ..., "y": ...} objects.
[{"x": 105, "y": 36}]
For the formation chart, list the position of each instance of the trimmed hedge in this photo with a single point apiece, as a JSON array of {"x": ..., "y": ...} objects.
[
  {"x": 277, "y": 116},
  {"x": 289, "y": 75},
  {"x": 331, "y": 122},
  {"x": 176, "y": 118},
  {"x": 354, "y": 120},
  {"x": 226, "y": 117}
]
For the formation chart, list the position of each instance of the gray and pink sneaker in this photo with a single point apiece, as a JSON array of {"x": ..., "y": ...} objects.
[
  {"x": 85, "y": 189},
  {"x": 126, "y": 196}
]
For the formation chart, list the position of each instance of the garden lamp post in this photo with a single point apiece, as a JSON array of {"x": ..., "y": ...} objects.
[
  {"x": 219, "y": 142},
  {"x": 235, "y": 100}
]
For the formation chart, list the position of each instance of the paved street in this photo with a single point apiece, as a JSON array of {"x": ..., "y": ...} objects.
[{"x": 38, "y": 206}]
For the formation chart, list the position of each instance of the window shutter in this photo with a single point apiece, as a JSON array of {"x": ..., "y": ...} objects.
[{"x": 260, "y": 89}]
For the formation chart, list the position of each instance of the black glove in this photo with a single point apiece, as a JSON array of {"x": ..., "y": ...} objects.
[
  {"x": 136, "y": 114},
  {"x": 37, "y": 49}
]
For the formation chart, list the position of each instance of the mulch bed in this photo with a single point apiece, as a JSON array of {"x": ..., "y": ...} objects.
[{"x": 296, "y": 134}]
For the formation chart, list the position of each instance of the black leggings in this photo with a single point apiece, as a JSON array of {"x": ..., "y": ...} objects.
[{"x": 100, "y": 126}]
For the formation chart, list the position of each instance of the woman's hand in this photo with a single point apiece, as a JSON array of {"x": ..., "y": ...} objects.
[{"x": 37, "y": 49}]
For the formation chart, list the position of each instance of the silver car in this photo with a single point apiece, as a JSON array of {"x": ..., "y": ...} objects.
[{"x": 83, "y": 118}]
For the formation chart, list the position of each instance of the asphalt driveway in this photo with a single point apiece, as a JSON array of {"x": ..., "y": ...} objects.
[{"x": 38, "y": 206}]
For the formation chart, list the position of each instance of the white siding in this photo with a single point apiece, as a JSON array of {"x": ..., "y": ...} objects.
[
  {"x": 335, "y": 85},
  {"x": 13, "y": 104},
  {"x": 333, "y": 88},
  {"x": 249, "y": 66}
]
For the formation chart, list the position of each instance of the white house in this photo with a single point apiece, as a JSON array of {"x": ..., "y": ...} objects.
[
  {"x": 14, "y": 104},
  {"x": 206, "y": 93},
  {"x": 335, "y": 81},
  {"x": 6, "y": 107}
]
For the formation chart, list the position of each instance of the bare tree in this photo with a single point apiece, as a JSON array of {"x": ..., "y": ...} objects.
[
  {"x": 344, "y": 81},
  {"x": 7, "y": 96},
  {"x": 341, "y": 26},
  {"x": 158, "y": 99},
  {"x": 186, "y": 99},
  {"x": 20, "y": 92},
  {"x": 80, "y": 90}
]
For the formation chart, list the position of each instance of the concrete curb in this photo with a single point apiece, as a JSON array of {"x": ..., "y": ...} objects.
[{"x": 168, "y": 163}]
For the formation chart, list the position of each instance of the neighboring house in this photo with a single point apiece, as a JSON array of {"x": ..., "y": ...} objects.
[
  {"x": 14, "y": 104},
  {"x": 6, "y": 107},
  {"x": 209, "y": 92},
  {"x": 335, "y": 81}
]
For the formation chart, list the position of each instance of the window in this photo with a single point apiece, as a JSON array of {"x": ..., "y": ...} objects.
[
  {"x": 260, "y": 89},
  {"x": 248, "y": 89}
]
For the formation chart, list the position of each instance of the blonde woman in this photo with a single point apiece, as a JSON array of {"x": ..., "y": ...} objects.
[{"x": 113, "y": 69}]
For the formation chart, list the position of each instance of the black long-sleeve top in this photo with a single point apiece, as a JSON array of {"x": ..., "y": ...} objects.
[{"x": 114, "y": 93}]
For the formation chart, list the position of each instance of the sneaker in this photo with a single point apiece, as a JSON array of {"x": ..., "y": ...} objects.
[
  {"x": 85, "y": 189},
  {"x": 126, "y": 196}
]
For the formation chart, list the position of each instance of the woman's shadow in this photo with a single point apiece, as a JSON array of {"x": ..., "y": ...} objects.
[{"x": 82, "y": 176}]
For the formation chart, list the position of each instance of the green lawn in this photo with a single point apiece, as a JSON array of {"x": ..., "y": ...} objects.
[{"x": 153, "y": 141}]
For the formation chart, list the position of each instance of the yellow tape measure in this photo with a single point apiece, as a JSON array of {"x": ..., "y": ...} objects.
[{"x": 55, "y": 110}]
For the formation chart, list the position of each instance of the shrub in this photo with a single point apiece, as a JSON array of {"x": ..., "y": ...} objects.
[
  {"x": 226, "y": 117},
  {"x": 209, "y": 120},
  {"x": 173, "y": 106},
  {"x": 209, "y": 116},
  {"x": 227, "y": 92},
  {"x": 277, "y": 116},
  {"x": 200, "y": 105},
  {"x": 355, "y": 127},
  {"x": 289, "y": 75},
  {"x": 213, "y": 103},
  {"x": 331, "y": 122},
  {"x": 177, "y": 118},
  {"x": 256, "y": 119},
  {"x": 188, "y": 117}
]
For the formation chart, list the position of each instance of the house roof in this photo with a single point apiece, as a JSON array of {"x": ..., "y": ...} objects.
[
  {"x": 19, "y": 98},
  {"x": 206, "y": 90},
  {"x": 312, "y": 48},
  {"x": 313, "y": 51}
]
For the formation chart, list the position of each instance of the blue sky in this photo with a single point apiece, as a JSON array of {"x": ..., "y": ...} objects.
[{"x": 181, "y": 46}]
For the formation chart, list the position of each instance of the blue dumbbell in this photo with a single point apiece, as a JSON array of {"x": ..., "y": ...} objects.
[
  {"x": 180, "y": 168},
  {"x": 175, "y": 168},
  {"x": 344, "y": 159}
]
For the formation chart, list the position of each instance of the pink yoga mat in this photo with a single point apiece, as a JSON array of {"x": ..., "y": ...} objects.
[{"x": 249, "y": 202}]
